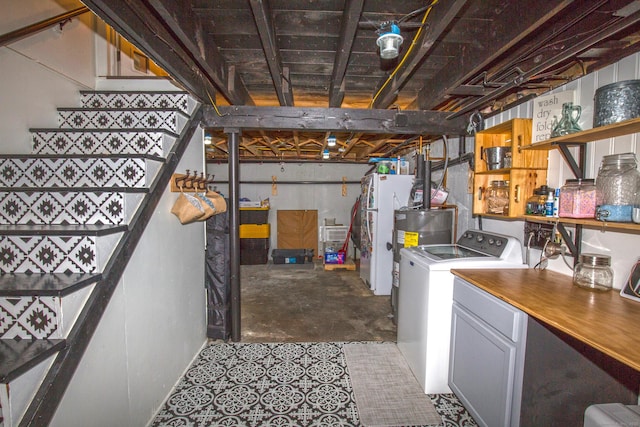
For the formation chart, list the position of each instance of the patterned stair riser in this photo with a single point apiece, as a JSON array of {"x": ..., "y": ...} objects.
[
  {"x": 65, "y": 208},
  {"x": 55, "y": 254},
  {"x": 148, "y": 100},
  {"x": 40, "y": 317},
  {"x": 30, "y": 317},
  {"x": 92, "y": 143},
  {"x": 169, "y": 120},
  {"x": 76, "y": 172}
]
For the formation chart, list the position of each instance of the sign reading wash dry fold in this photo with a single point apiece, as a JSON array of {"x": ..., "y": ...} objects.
[{"x": 545, "y": 109}]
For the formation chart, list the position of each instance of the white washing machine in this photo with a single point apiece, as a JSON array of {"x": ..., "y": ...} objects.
[{"x": 425, "y": 298}]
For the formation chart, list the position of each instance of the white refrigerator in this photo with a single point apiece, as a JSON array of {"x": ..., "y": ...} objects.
[{"x": 381, "y": 195}]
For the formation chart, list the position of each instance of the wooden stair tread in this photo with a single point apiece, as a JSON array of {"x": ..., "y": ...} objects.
[
  {"x": 47, "y": 284},
  {"x": 61, "y": 230},
  {"x": 18, "y": 356},
  {"x": 77, "y": 189}
]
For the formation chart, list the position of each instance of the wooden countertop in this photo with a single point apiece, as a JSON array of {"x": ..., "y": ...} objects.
[{"x": 603, "y": 320}]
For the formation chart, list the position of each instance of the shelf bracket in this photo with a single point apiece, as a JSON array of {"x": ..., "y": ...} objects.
[
  {"x": 574, "y": 248},
  {"x": 576, "y": 168}
]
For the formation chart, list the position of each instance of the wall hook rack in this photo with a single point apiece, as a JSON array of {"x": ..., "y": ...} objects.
[{"x": 190, "y": 182}]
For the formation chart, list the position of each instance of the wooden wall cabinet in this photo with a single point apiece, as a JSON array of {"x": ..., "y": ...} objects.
[{"x": 528, "y": 168}]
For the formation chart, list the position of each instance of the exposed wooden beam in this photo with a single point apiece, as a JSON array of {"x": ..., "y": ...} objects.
[
  {"x": 350, "y": 19},
  {"x": 374, "y": 148},
  {"x": 439, "y": 19},
  {"x": 352, "y": 142},
  {"x": 335, "y": 119},
  {"x": 504, "y": 35},
  {"x": 296, "y": 142},
  {"x": 262, "y": 16},
  {"x": 184, "y": 24},
  {"x": 268, "y": 142},
  {"x": 572, "y": 50},
  {"x": 169, "y": 46}
]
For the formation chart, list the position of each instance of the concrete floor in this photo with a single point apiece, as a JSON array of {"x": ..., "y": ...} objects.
[{"x": 305, "y": 303}]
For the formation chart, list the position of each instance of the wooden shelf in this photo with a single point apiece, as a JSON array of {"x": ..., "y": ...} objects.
[
  {"x": 506, "y": 171},
  {"x": 592, "y": 223},
  {"x": 595, "y": 134}
]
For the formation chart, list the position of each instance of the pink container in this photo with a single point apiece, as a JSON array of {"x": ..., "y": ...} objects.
[{"x": 578, "y": 199}]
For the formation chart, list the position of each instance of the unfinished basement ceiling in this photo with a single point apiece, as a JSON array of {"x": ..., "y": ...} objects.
[{"x": 317, "y": 65}]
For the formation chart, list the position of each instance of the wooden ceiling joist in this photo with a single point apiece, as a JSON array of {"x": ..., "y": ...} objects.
[
  {"x": 504, "y": 35},
  {"x": 264, "y": 22},
  {"x": 350, "y": 19}
]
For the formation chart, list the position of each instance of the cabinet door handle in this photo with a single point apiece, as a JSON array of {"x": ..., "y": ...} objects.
[
  {"x": 517, "y": 195},
  {"x": 480, "y": 191}
]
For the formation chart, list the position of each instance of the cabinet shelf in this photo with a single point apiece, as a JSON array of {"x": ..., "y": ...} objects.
[
  {"x": 590, "y": 135},
  {"x": 592, "y": 223}
]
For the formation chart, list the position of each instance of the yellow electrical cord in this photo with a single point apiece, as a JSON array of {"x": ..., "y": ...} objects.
[
  {"x": 406, "y": 55},
  {"x": 213, "y": 104}
]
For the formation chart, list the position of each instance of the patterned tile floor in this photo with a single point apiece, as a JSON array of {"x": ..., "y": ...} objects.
[{"x": 284, "y": 384}]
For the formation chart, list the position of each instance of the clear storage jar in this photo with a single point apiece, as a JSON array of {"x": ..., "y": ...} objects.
[
  {"x": 498, "y": 198},
  {"x": 594, "y": 272},
  {"x": 618, "y": 182},
  {"x": 535, "y": 203},
  {"x": 578, "y": 199}
]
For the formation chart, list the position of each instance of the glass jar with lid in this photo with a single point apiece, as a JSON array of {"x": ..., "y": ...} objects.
[
  {"x": 535, "y": 203},
  {"x": 594, "y": 272},
  {"x": 618, "y": 182},
  {"x": 498, "y": 198}
]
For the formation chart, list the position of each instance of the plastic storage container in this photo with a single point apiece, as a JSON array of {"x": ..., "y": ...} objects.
[
  {"x": 618, "y": 182},
  {"x": 292, "y": 256},
  {"x": 498, "y": 198},
  {"x": 578, "y": 199},
  {"x": 593, "y": 271},
  {"x": 254, "y": 215}
]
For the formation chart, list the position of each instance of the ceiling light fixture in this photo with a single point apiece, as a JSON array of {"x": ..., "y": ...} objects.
[
  {"x": 331, "y": 140},
  {"x": 389, "y": 41},
  {"x": 325, "y": 154}
]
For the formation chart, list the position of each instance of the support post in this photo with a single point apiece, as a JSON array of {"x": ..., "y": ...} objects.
[{"x": 234, "y": 229}]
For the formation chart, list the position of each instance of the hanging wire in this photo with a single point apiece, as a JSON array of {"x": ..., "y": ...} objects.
[{"x": 211, "y": 101}]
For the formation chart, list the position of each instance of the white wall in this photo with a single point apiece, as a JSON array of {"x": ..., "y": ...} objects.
[
  {"x": 155, "y": 323},
  {"x": 152, "y": 329},
  {"x": 621, "y": 246},
  {"x": 327, "y": 198},
  {"x": 43, "y": 71}
]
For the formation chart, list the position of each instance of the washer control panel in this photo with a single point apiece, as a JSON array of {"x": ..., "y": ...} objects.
[{"x": 489, "y": 243}]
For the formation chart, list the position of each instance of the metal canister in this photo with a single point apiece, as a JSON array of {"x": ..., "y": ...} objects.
[{"x": 616, "y": 102}]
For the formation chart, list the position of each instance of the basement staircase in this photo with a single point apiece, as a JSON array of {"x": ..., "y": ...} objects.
[{"x": 70, "y": 215}]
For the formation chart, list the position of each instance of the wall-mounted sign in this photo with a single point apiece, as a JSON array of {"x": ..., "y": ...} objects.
[{"x": 545, "y": 109}]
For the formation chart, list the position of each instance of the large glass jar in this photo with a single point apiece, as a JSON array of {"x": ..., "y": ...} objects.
[
  {"x": 593, "y": 271},
  {"x": 498, "y": 198},
  {"x": 618, "y": 182}
]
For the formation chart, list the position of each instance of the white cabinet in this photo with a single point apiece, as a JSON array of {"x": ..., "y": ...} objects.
[{"x": 487, "y": 355}]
